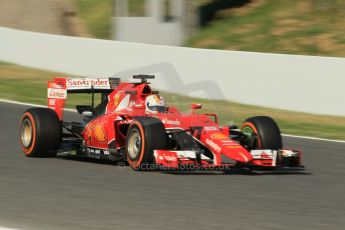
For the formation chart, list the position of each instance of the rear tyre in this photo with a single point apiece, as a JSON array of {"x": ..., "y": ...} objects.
[
  {"x": 261, "y": 132},
  {"x": 40, "y": 132},
  {"x": 145, "y": 135}
]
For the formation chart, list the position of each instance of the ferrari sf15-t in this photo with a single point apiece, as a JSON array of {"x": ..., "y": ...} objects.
[{"x": 133, "y": 124}]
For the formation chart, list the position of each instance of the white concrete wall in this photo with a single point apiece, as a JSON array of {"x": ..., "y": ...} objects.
[
  {"x": 148, "y": 30},
  {"x": 151, "y": 29},
  {"x": 300, "y": 83}
]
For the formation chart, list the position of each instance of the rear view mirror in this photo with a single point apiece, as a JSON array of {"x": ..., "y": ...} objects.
[
  {"x": 83, "y": 108},
  {"x": 87, "y": 116},
  {"x": 196, "y": 106}
]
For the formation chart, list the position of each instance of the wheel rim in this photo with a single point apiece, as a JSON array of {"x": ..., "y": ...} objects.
[
  {"x": 251, "y": 137},
  {"x": 248, "y": 131},
  {"x": 26, "y": 133},
  {"x": 134, "y": 145}
]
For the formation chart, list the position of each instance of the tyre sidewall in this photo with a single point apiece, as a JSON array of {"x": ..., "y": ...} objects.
[
  {"x": 152, "y": 132},
  {"x": 267, "y": 131},
  {"x": 47, "y": 132}
]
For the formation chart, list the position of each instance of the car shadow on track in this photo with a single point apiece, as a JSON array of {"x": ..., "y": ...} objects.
[
  {"x": 88, "y": 160},
  {"x": 242, "y": 172},
  {"x": 232, "y": 171}
]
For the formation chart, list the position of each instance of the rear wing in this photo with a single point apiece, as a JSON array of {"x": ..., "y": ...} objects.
[{"x": 60, "y": 87}]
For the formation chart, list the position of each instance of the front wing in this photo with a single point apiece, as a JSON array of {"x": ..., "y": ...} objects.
[{"x": 262, "y": 159}]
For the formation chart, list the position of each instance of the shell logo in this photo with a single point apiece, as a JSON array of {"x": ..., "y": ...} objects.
[
  {"x": 219, "y": 136},
  {"x": 117, "y": 99},
  {"x": 99, "y": 133},
  {"x": 157, "y": 99}
]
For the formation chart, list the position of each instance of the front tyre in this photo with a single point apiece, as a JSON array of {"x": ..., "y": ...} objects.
[
  {"x": 145, "y": 135},
  {"x": 261, "y": 132},
  {"x": 40, "y": 132}
]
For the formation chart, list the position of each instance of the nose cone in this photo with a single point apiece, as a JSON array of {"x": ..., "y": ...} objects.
[
  {"x": 219, "y": 143},
  {"x": 239, "y": 154}
]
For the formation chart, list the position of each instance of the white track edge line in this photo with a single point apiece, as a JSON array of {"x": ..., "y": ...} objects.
[
  {"x": 73, "y": 110},
  {"x": 2, "y": 228},
  {"x": 30, "y": 104},
  {"x": 313, "y": 138}
]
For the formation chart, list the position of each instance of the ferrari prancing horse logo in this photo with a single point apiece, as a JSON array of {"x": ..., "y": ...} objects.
[
  {"x": 99, "y": 133},
  {"x": 96, "y": 131}
]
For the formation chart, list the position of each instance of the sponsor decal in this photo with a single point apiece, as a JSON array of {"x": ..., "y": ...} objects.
[
  {"x": 233, "y": 147},
  {"x": 229, "y": 143},
  {"x": 288, "y": 153},
  {"x": 165, "y": 155},
  {"x": 186, "y": 154},
  {"x": 170, "y": 158},
  {"x": 56, "y": 86},
  {"x": 157, "y": 99},
  {"x": 117, "y": 99},
  {"x": 57, "y": 93},
  {"x": 138, "y": 105},
  {"x": 124, "y": 102},
  {"x": 263, "y": 154},
  {"x": 94, "y": 151},
  {"x": 51, "y": 102},
  {"x": 85, "y": 83},
  {"x": 219, "y": 136},
  {"x": 210, "y": 128},
  {"x": 213, "y": 145},
  {"x": 171, "y": 122},
  {"x": 189, "y": 155},
  {"x": 160, "y": 158}
]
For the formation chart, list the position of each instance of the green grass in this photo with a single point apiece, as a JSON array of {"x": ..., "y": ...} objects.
[
  {"x": 278, "y": 26},
  {"x": 30, "y": 85},
  {"x": 97, "y": 16},
  {"x": 307, "y": 27}
]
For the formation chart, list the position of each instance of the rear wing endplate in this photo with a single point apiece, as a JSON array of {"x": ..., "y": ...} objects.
[{"x": 59, "y": 87}]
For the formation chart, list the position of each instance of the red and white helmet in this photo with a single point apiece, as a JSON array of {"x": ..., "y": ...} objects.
[{"x": 155, "y": 104}]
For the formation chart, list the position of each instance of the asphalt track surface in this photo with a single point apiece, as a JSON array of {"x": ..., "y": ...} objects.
[{"x": 61, "y": 193}]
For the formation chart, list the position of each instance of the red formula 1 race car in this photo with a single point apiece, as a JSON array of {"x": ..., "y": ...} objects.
[{"x": 133, "y": 124}]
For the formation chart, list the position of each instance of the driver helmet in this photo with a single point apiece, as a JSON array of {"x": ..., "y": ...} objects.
[{"x": 155, "y": 104}]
